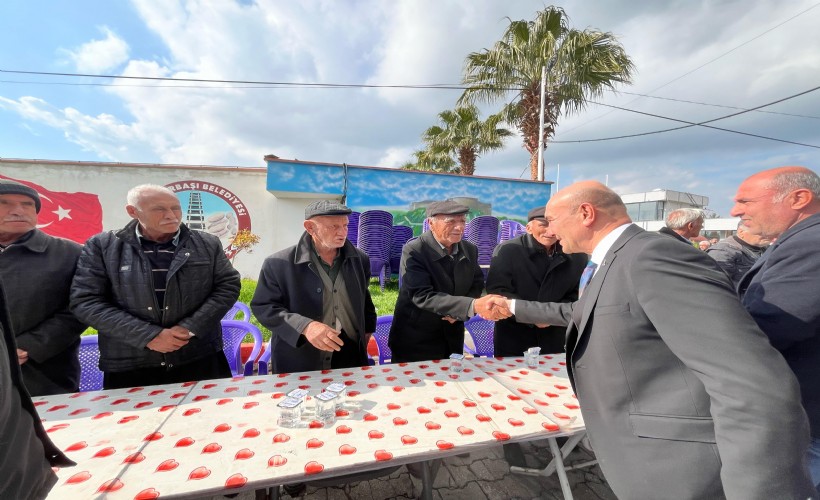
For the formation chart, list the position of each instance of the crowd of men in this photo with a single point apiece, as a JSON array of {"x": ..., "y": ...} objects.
[{"x": 698, "y": 373}]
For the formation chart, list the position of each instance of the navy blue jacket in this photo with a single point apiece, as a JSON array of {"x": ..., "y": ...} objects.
[{"x": 782, "y": 293}]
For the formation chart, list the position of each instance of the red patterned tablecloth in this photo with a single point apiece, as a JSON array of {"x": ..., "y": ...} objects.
[{"x": 208, "y": 437}]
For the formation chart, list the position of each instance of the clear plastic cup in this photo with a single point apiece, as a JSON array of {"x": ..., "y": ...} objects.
[
  {"x": 340, "y": 390},
  {"x": 531, "y": 357},
  {"x": 325, "y": 403},
  {"x": 456, "y": 362},
  {"x": 290, "y": 412}
]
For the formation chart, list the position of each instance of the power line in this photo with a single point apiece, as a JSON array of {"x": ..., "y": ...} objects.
[
  {"x": 698, "y": 124},
  {"x": 721, "y": 106},
  {"x": 443, "y": 86},
  {"x": 702, "y": 65}
]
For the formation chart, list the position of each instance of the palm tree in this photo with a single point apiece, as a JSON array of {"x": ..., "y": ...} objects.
[
  {"x": 580, "y": 65},
  {"x": 432, "y": 161},
  {"x": 464, "y": 135}
]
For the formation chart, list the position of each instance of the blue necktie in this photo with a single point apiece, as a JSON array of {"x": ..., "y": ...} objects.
[{"x": 586, "y": 276}]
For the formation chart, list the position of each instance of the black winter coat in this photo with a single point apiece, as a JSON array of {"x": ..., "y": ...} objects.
[
  {"x": 521, "y": 269},
  {"x": 288, "y": 297},
  {"x": 113, "y": 291},
  {"x": 28, "y": 453},
  {"x": 428, "y": 293},
  {"x": 40, "y": 270}
]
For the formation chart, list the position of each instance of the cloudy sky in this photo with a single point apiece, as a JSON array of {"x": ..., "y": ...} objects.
[{"x": 720, "y": 55}]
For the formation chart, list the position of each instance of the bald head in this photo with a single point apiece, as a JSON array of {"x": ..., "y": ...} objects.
[
  {"x": 770, "y": 202},
  {"x": 581, "y": 214}
]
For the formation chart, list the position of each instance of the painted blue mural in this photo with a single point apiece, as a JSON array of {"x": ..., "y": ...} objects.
[{"x": 405, "y": 193}]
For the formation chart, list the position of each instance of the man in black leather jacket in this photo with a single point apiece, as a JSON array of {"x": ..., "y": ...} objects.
[{"x": 156, "y": 292}]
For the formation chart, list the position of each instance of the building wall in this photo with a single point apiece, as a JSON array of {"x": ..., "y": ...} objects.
[{"x": 270, "y": 201}]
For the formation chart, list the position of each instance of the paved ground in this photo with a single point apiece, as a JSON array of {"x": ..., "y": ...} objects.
[{"x": 482, "y": 475}]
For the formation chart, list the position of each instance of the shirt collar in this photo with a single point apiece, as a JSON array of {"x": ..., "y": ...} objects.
[
  {"x": 174, "y": 240},
  {"x": 606, "y": 243},
  {"x": 455, "y": 248}
]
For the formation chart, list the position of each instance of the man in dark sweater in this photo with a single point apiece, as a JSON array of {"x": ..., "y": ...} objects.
[
  {"x": 738, "y": 253},
  {"x": 41, "y": 268}
]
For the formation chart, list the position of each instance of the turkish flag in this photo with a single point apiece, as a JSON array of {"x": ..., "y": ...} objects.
[{"x": 73, "y": 216}]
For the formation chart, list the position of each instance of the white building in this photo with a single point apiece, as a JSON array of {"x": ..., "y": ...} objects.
[{"x": 649, "y": 210}]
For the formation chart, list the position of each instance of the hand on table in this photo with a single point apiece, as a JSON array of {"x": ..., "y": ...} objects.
[
  {"x": 492, "y": 307},
  {"x": 170, "y": 339},
  {"x": 323, "y": 337},
  {"x": 22, "y": 356}
]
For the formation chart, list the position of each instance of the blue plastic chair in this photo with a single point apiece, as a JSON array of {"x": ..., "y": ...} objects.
[
  {"x": 91, "y": 377},
  {"x": 482, "y": 332},
  {"x": 239, "y": 307},
  {"x": 263, "y": 362},
  {"x": 233, "y": 332},
  {"x": 382, "y": 334}
]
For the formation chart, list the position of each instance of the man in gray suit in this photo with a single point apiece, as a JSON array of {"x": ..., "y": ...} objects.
[{"x": 682, "y": 395}]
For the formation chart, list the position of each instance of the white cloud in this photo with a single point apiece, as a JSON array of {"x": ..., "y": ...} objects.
[
  {"x": 99, "y": 56},
  {"x": 426, "y": 41}
]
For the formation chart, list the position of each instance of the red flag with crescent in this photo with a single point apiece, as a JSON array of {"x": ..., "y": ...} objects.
[{"x": 74, "y": 216}]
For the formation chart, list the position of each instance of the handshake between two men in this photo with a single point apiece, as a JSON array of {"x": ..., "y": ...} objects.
[{"x": 493, "y": 307}]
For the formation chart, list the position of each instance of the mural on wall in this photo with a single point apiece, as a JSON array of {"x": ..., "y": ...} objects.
[
  {"x": 214, "y": 209},
  {"x": 73, "y": 216},
  {"x": 407, "y": 194}
]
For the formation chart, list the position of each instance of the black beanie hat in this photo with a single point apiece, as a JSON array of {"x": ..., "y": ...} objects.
[{"x": 13, "y": 187}]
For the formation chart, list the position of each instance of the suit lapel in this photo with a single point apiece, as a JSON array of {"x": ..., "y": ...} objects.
[{"x": 593, "y": 290}]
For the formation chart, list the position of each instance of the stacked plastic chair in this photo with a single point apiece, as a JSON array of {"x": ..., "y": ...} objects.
[
  {"x": 401, "y": 235},
  {"x": 425, "y": 226},
  {"x": 509, "y": 230},
  {"x": 375, "y": 236},
  {"x": 91, "y": 377},
  {"x": 233, "y": 332},
  {"x": 482, "y": 232},
  {"x": 353, "y": 228}
]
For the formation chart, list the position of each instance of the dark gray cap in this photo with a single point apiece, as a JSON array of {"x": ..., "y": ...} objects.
[
  {"x": 446, "y": 208},
  {"x": 326, "y": 207},
  {"x": 8, "y": 186},
  {"x": 536, "y": 213}
]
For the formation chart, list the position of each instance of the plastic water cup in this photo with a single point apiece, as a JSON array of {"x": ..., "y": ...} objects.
[
  {"x": 456, "y": 362},
  {"x": 325, "y": 407},
  {"x": 531, "y": 357},
  {"x": 340, "y": 390},
  {"x": 290, "y": 412}
]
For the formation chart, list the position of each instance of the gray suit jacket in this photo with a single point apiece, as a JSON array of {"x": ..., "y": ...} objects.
[{"x": 682, "y": 395}]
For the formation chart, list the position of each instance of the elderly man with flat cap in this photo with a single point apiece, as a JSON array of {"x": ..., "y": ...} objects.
[
  {"x": 314, "y": 298},
  {"x": 441, "y": 285},
  {"x": 37, "y": 269},
  {"x": 533, "y": 266}
]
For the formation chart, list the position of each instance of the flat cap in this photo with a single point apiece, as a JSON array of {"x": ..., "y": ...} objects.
[
  {"x": 535, "y": 213},
  {"x": 8, "y": 186},
  {"x": 326, "y": 207},
  {"x": 446, "y": 208}
]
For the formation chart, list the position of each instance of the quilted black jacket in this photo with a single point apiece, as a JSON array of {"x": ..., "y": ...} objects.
[{"x": 113, "y": 291}]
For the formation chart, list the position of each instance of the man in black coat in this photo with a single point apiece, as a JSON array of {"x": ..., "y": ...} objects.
[
  {"x": 40, "y": 267},
  {"x": 314, "y": 296},
  {"x": 156, "y": 292},
  {"x": 27, "y": 452},
  {"x": 441, "y": 285},
  {"x": 533, "y": 267}
]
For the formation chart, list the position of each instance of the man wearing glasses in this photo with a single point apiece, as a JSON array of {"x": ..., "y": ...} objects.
[{"x": 441, "y": 283}]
